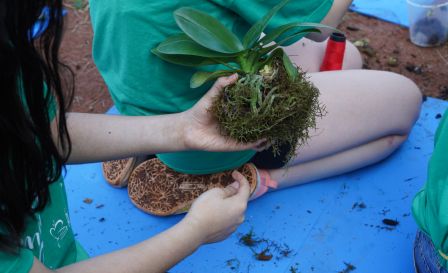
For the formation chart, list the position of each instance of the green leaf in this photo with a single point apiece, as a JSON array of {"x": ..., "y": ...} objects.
[
  {"x": 290, "y": 68},
  {"x": 183, "y": 45},
  {"x": 255, "y": 31},
  {"x": 201, "y": 77},
  {"x": 186, "y": 60},
  {"x": 207, "y": 31},
  {"x": 310, "y": 27}
]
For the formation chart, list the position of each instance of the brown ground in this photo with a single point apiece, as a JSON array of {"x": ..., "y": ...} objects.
[
  {"x": 390, "y": 49},
  {"x": 387, "y": 48},
  {"x": 91, "y": 93}
]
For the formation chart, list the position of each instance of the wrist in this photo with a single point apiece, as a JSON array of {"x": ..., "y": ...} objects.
[
  {"x": 193, "y": 229},
  {"x": 174, "y": 133},
  {"x": 182, "y": 121}
]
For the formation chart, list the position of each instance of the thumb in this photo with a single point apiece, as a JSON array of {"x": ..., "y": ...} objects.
[
  {"x": 222, "y": 82},
  {"x": 244, "y": 188},
  {"x": 230, "y": 190}
]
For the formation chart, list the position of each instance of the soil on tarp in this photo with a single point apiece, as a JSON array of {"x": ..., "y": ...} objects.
[{"x": 389, "y": 48}]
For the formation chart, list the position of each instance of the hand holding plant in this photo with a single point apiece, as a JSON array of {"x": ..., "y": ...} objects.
[
  {"x": 200, "y": 130},
  {"x": 272, "y": 100}
]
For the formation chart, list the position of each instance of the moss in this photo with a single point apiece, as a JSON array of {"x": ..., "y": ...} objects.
[
  {"x": 248, "y": 239},
  {"x": 270, "y": 106}
]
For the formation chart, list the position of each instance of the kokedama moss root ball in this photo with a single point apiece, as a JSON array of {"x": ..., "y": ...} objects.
[
  {"x": 269, "y": 105},
  {"x": 272, "y": 99}
]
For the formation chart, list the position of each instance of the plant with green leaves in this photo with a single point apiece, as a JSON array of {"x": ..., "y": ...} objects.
[{"x": 272, "y": 98}]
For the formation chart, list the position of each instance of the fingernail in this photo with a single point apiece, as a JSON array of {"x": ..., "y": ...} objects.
[{"x": 236, "y": 175}]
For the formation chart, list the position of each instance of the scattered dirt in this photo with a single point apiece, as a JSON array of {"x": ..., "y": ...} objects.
[
  {"x": 249, "y": 239},
  {"x": 265, "y": 249},
  {"x": 389, "y": 48},
  {"x": 409, "y": 179},
  {"x": 293, "y": 269},
  {"x": 264, "y": 255},
  {"x": 378, "y": 227},
  {"x": 348, "y": 268},
  {"x": 88, "y": 200},
  {"x": 359, "y": 205},
  {"x": 233, "y": 264},
  {"x": 390, "y": 222}
]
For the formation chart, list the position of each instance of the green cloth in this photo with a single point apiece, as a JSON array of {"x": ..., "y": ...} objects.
[
  {"x": 430, "y": 206},
  {"x": 142, "y": 84},
  {"x": 48, "y": 235}
]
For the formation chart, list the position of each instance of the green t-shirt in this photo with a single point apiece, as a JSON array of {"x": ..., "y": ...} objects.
[
  {"x": 430, "y": 206},
  {"x": 48, "y": 235},
  {"x": 142, "y": 84}
]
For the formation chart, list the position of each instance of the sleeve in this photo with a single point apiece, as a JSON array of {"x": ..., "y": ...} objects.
[
  {"x": 15, "y": 263},
  {"x": 443, "y": 125},
  {"x": 310, "y": 11},
  {"x": 52, "y": 109},
  {"x": 435, "y": 198}
]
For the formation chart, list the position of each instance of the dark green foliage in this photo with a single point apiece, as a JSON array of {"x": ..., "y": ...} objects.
[{"x": 206, "y": 41}]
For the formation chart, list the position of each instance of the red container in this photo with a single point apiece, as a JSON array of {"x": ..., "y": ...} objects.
[{"x": 334, "y": 54}]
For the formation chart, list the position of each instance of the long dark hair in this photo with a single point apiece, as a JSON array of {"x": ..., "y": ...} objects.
[{"x": 30, "y": 159}]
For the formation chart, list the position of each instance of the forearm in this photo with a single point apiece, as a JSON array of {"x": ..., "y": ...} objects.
[
  {"x": 98, "y": 137},
  {"x": 154, "y": 255},
  {"x": 157, "y": 254}
]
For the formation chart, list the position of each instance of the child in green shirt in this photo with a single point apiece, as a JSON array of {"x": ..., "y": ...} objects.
[
  {"x": 39, "y": 137},
  {"x": 430, "y": 209},
  {"x": 369, "y": 113}
]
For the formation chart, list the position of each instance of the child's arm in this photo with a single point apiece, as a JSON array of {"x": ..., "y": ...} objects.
[
  {"x": 213, "y": 217},
  {"x": 98, "y": 137}
]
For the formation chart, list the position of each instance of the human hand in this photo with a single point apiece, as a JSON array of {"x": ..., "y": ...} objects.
[
  {"x": 200, "y": 129},
  {"x": 218, "y": 212}
]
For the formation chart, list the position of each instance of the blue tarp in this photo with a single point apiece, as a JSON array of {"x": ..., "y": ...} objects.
[
  {"x": 317, "y": 227},
  {"x": 394, "y": 11}
]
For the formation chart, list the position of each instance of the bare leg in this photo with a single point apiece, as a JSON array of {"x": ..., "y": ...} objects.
[
  {"x": 308, "y": 55},
  {"x": 370, "y": 113}
]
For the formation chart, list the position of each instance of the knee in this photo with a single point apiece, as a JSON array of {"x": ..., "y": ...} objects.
[
  {"x": 352, "y": 57},
  {"x": 408, "y": 101},
  {"x": 408, "y": 95}
]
